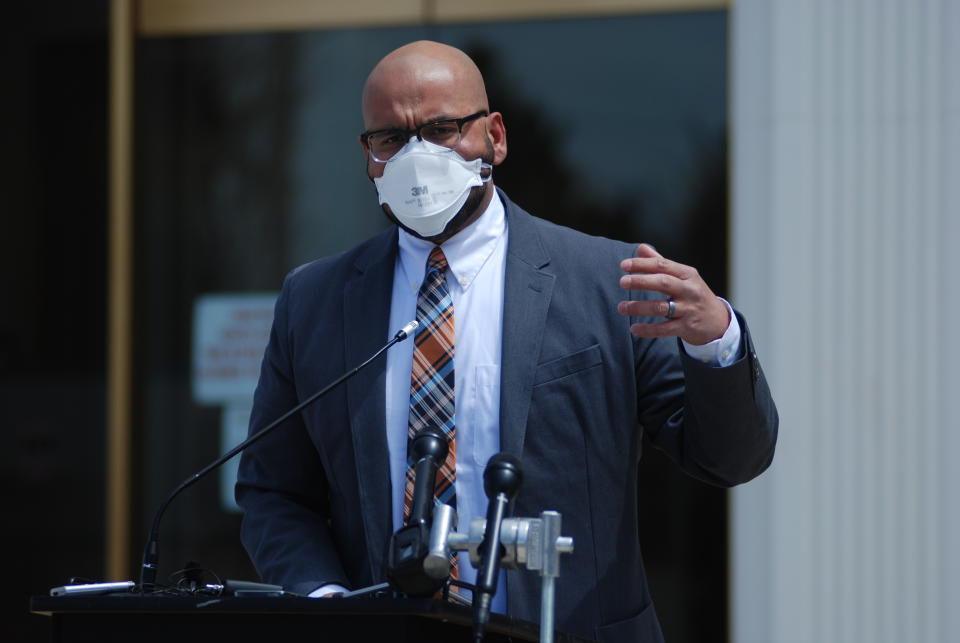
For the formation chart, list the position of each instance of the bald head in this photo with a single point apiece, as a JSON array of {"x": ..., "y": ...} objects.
[
  {"x": 424, "y": 82},
  {"x": 419, "y": 77}
]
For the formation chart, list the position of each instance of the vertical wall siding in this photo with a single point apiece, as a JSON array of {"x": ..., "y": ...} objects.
[{"x": 845, "y": 235}]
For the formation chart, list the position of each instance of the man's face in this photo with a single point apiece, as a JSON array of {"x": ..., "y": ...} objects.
[
  {"x": 419, "y": 95},
  {"x": 414, "y": 97}
]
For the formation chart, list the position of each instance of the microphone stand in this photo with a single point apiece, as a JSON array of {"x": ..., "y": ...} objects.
[
  {"x": 151, "y": 553},
  {"x": 409, "y": 545},
  {"x": 501, "y": 481},
  {"x": 534, "y": 544}
]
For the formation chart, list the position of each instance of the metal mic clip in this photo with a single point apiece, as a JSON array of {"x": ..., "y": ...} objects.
[{"x": 405, "y": 332}]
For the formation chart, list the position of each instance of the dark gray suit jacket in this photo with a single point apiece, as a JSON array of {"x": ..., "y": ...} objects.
[{"x": 577, "y": 389}]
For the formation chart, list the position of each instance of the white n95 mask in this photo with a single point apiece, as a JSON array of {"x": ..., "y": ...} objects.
[{"x": 426, "y": 184}]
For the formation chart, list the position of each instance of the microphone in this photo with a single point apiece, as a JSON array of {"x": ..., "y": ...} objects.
[
  {"x": 410, "y": 544},
  {"x": 428, "y": 450},
  {"x": 501, "y": 481},
  {"x": 401, "y": 335},
  {"x": 151, "y": 553}
]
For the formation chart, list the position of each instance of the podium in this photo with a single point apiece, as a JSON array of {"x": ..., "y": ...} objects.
[{"x": 158, "y": 618}]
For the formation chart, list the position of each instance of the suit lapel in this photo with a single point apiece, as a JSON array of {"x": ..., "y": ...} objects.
[
  {"x": 366, "y": 314},
  {"x": 526, "y": 298}
]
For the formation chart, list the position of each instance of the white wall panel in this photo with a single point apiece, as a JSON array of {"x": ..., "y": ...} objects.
[{"x": 845, "y": 173}]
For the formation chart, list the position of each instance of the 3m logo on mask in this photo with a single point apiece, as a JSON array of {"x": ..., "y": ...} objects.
[{"x": 418, "y": 190}]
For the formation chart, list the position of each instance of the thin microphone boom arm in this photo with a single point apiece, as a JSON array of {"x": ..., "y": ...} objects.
[{"x": 151, "y": 554}]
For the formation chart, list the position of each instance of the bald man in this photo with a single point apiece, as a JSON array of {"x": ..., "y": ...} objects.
[{"x": 551, "y": 345}]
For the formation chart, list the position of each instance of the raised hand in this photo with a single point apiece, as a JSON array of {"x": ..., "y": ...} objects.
[{"x": 692, "y": 312}]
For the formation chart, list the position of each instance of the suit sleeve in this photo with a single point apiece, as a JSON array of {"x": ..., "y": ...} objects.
[
  {"x": 281, "y": 484},
  {"x": 718, "y": 424}
]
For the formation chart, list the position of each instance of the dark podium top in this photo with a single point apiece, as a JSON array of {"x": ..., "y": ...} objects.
[{"x": 135, "y": 617}]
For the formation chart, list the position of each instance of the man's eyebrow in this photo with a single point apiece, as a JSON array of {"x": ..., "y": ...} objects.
[
  {"x": 400, "y": 128},
  {"x": 432, "y": 119}
]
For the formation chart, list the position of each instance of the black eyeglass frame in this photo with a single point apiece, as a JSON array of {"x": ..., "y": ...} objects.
[{"x": 407, "y": 133}]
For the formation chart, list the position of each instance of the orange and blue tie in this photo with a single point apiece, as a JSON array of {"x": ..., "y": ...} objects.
[{"x": 431, "y": 379}]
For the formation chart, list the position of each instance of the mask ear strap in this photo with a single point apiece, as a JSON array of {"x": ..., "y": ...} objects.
[{"x": 486, "y": 172}]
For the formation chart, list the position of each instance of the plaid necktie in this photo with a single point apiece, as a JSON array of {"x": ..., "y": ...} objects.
[{"x": 431, "y": 379}]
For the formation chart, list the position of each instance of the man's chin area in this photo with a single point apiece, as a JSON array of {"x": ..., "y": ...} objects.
[
  {"x": 467, "y": 215},
  {"x": 436, "y": 239}
]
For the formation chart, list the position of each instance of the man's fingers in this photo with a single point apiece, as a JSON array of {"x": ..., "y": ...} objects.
[
  {"x": 646, "y": 308},
  {"x": 645, "y": 250},
  {"x": 670, "y": 328},
  {"x": 666, "y": 284},
  {"x": 657, "y": 265}
]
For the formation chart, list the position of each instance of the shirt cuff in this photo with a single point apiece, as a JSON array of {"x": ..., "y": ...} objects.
[
  {"x": 326, "y": 590},
  {"x": 720, "y": 352}
]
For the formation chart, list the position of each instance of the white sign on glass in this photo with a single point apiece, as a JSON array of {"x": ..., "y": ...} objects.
[{"x": 230, "y": 333}]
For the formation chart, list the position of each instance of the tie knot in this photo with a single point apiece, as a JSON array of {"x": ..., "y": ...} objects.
[{"x": 437, "y": 260}]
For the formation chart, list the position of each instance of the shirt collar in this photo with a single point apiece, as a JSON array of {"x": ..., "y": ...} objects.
[{"x": 466, "y": 252}]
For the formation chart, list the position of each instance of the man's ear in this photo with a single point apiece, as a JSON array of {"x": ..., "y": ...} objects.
[{"x": 497, "y": 132}]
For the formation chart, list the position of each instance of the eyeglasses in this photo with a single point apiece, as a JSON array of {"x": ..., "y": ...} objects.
[{"x": 384, "y": 143}]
